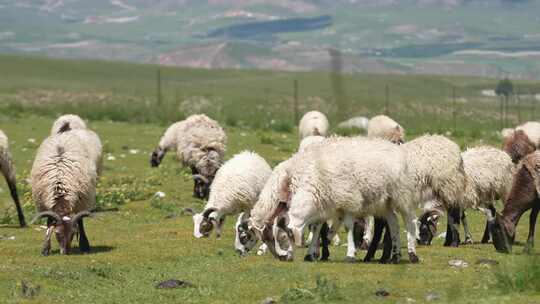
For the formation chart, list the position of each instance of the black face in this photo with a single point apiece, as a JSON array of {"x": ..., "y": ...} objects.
[
  {"x": 427, "y": 232},
  {"x": 201, "y": 189},
  {"x": 206, "y": 227},
  {"x": 500, "y": 234},
  {"x": 157, "y": 157}
]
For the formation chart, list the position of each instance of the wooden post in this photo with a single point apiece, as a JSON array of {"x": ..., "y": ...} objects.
[
  {"x": 533, "y": 99},
  {"x": 501, "y": 110},
  {"x": 454, "y": 112},
  {"x": 387, "y": 100},
  {"x": 296, "y": 111},
  {"x": 158, "y": 97}
]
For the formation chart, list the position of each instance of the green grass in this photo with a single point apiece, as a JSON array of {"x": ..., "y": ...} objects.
[{"x": 148, "y": 240}]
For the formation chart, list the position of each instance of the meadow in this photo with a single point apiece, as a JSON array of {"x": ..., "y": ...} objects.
[{"x": 139, "y": 240}]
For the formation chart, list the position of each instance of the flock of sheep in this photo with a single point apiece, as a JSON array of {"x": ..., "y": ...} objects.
[{"x": 362, "y": 183}]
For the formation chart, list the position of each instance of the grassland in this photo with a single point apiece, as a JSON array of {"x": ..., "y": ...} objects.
[{"x": 148, "y": 240}]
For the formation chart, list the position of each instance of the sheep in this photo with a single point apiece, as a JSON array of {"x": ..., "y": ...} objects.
[
  {"x": 384, "y": 127},
  {"x": 200, "y": 144},
  {"x": 313, "y": 123},
  {"x": 8, "y": 170},
  {"x": 63, "y": 180},
  {"x": 310, "y": 141},
  {"x": 235, "y": 189},
  {"x": 532, "y": 130},
  {"x": 488, "y": 174},
  {"x": 323, "y": 183},
  {"x": 524, "y": 195},
  {"x": 518, "y": 145},
  {"x": 361, "y": 123},
  {"x": 74, "y": 122},
  {"x": 506, "y": 132}
]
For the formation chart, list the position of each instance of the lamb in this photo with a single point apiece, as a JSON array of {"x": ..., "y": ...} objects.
[
  {"x": 384, "y": 127},
  {"x": 8, "y": 170},
  {"x": 524, "y": 195},
  {"x": 200, "y": 144},
  {"x": 489, "y": 174},
  {"x": 313, "y": 123},
  {"x": 235, "y": 189},
  {"x": 63, "y": 180},
  {"x": 322, "y": 183},
  {"x": 74, "y": 122}
]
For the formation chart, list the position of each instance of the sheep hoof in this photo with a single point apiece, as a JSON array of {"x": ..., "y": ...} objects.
[
  {"x": 413, "y": 258},
  {"x": 349, "y": 259},
  {"x": 527, "y": 249},
  {"x": 468, "y": 241},
  {"x": 310, "y": 258},
  {"x": 395, "y": 259},
  {"x": 45, "y": 252},
  {"x": 454, "y": 244},
  {"x": 364, "y": 245}
]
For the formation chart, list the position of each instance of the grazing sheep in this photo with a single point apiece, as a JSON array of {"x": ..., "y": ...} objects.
[
  {"x": 361, "y": 123},
  {"x": 74, "y": 122},
  {"x": 313, "y": 123},
  {"x": 7, "y": 169},
  {"x": 200, "y": 144},
  {"x": 235, "y": 189},
  {"x": 489, "y": 174},
  {"x": 384, "y": 127},
  {"x": 524, "y": 195},
  {"x": 507, "y": 132},
  {"x": 357, "y": 177},
  {"x": 63, "y": 180}
]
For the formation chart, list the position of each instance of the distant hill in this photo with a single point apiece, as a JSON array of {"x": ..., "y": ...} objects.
[{"x": 465, "y": 37}]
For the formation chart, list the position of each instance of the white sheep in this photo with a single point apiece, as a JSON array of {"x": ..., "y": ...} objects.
[
  {"x": 200, "y": 144},
  {"x": 63, "y": 180},
  {"x": 310, "y": 141},
  {"x": 532, "y": 130},
  {"x": 507, "y": 132},
  {"x": 313, "y": 123},
  {"x": 235, "y": 189},
  {"x": 436, "y": 168},
  {"x": 384, "y": 127},
  {"x": 359, "y": 122},
  {"x": 488, "y": 173},
  {"x": 8, "y": 170},
  {"x": 71, "y": 120},
  {"x": 357, "y": 177}
]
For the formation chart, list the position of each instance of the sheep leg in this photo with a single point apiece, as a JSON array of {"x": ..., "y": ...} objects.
[
  {"x": 325, "y": 242},
  {"x": 532, "y": 224},
  {"x": 84, "y": 245},
  {"x": 351, "y": 248},
  {"x": 333, "y": 232},
  {"x": 368, "y": 233},
  {"x": 46, "y": 249},
  {"x": 377, "y": 234},
  {"x": 393, "y": 225},
  {"x": 262, "y": 249},
  {"x": 387, "y": 244},
  {"x": 468, "y": 236},
  {"x": 490, "y": 213},
  {"x": 452, "y": 234},
  {"x": 13, "y": 191},
  {"x": 311, "y": 256},
  {"x": 411, "y": 223}
]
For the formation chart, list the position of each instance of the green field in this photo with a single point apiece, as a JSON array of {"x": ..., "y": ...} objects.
[{"x": 148, "y": 240}]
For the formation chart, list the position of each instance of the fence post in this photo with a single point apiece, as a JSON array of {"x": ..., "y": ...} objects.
[
  {"x": 518, "y": 105},
  {"x": 158, "y": 87},
  {"x": 387, "y": 100},
  {"x": 501, "y": 109},
  {"x": 296, "y": 111},
  {"x": 533, "y": 99},
  {"x": 454, "y": 112}
]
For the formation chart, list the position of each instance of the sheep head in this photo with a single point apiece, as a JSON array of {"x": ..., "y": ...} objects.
[
  {"x": 201, "y": 188},
  {"x": 518, "y": 145},
  {"x": 246, "y": 237},
  {"x": 502, "y": 232},
  {"x": 428, "y": 227},
  {"x": 157, "y": 156},
  {"x": 204, "y": 222},
  {"x": 64, "y": 227}
]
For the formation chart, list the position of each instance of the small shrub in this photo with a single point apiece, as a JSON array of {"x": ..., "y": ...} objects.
[
  {"x": 522, "y": 276},
  {"x": 327, "y": 289}
]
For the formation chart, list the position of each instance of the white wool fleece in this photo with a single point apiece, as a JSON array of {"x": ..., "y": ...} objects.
[{"x": 313, "y": 123}]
